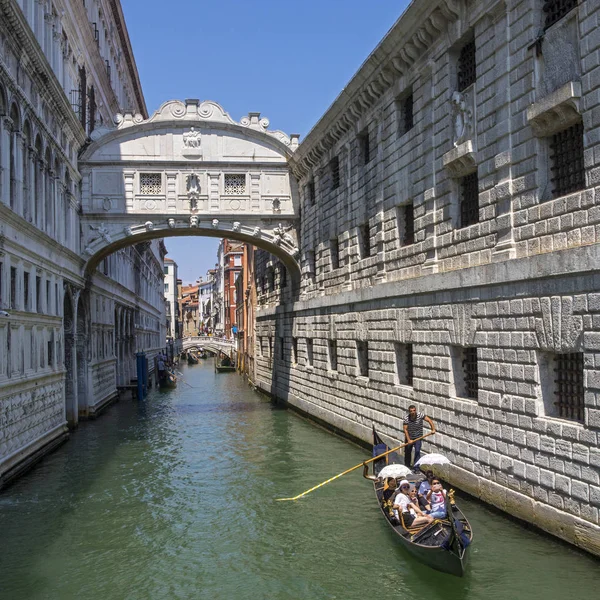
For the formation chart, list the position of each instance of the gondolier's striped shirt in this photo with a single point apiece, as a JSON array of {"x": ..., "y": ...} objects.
[{"x": 415, "y": 428}]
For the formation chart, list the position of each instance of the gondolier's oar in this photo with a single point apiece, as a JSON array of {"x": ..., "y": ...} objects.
[
  {"x": 186, "y": 383},
  {"x": 316, "y": 487}
]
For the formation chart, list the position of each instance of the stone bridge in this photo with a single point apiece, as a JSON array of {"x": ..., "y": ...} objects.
[
  {"x": 209, "y": 343},
  {"x": 190, "y": 169}
]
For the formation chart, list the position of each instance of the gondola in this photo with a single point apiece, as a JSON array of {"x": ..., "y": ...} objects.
[
  {"x": 168, "y": 382},
  {"x": 443, "y": 544},
  {"x": 192, "y": 360},
  {"x": 223, "y": 363}
]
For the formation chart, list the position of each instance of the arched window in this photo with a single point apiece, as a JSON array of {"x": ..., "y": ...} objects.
[
  {"x": 38, "y": 186},
  {"x": 14, "y": 116},
  {"x": 27, "y": 171}
]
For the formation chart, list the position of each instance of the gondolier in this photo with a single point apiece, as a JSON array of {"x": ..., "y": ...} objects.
[{"x": 413, "y": 429}]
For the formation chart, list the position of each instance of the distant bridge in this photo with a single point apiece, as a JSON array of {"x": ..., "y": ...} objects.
[{"x": 209, "y": 343}]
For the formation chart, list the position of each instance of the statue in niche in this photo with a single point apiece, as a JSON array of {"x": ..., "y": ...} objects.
[
  {"x": 193, "y": 190},
  {"x": 461, "y": 117},
  {"x": 191, "y": 139}
]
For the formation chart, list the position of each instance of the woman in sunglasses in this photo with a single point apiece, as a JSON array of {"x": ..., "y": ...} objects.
[{"x": 409, "y": 511}]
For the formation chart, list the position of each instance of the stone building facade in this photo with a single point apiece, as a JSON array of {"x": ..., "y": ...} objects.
[
  {"x": 67, "y": 338},
  {"x": 449, "y": 247}
]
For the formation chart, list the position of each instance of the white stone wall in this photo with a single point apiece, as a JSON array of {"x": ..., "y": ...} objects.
[{"x": 520, "y": 285}]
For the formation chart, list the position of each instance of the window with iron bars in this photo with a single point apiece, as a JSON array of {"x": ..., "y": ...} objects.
[
  {"x": 332, "y": 352},
  {"x": 467, "y": 68},
  {"x": 470, "y": 370},
  {"x": 469, "y": 200},
  {"x": 309, "y": 352},
  {"x": 362, "y": 357},
  {"x": 569, "y": 390},
  {"x": 404, "y": 363},
  {"x": 365, "y": 240},
  {"x": 282, "y": 276},
  {"x": 334, "y": 170},
  {"x": 334, "y": 250},
  {"x": 309, "y": 192},
  {"x": 406, "y": 107},
  {"x": 365, "y": 147},
  {"x": 295, "y": 350},
  {"x": 408, "y": 218},
  {"x": 555, "y": 10},
  {"x": 567, "y": 165}
]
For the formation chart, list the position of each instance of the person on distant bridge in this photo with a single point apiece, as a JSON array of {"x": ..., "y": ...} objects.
[{"x": 413, "y": 429}]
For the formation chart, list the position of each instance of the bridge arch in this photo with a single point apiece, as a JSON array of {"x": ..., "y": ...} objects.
[{"x": 189, "y": 169}]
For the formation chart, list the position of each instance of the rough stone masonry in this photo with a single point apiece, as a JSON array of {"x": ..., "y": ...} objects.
[{"x": 449, "y": 248}]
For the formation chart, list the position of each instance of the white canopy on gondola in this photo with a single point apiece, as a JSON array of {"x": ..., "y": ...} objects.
[
  {"x": 394, "y": 471},
  {"x": 433, "y": 459}
]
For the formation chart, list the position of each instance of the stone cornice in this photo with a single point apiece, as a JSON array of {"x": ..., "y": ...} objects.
[
  {"x": 20, "y": 28},
  {"x": 117, "y": 13},
  {"x": 411, "y": 36}
]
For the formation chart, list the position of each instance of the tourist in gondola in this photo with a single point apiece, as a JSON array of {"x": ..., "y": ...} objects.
[
  {"x": 413, "y": 429},
  {"x": 409, "y": 514},
  {"x": 424, "y": 488},
  {"x": 437, "y": 498}
]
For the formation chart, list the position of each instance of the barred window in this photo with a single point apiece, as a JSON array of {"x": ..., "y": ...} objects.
[
  {"x": 150, "y": 184},
  {"x": 332, "y": 352},
  {"x": 334, "y": 249},
  {"x": 569, "y": 386},
  {"x": 334, "y": 168},
  {"x": 404, "y": 363},
  {"x": 365, "y": 147},
  {"x": 467, "y": 68},
  {"x": 235, "y": 184},
  {"x": 282, "y": 276},
  {"x": 295, "y": 350},
  {"x": 365, "y": 240},
  {"x": 310, "y": 192},
  {"x": 568, "y": 172},
  {"x": 555, "y": 10},
  {"x": 407, "y": 114},
  {"x": 471, "y": 375},
  {"x": 270, "y": 347},
  {"x": 469, "y": 200},
  {"x": 309, "y": 352},
  {"x": 408, "y": 213},
  {"x": 281, "y": 349},
  {"x": 362, "y": 357}
]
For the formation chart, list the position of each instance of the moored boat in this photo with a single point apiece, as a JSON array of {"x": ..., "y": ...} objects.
[
  {"x": 168, "y": 382},
  {"x": 442, "y": 544},
  {"x": 223, "y": 363},
  {"x": 192, "y": 359}
]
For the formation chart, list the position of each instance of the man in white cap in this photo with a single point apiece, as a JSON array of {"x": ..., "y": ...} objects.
[{"x": 409, "y": 513}]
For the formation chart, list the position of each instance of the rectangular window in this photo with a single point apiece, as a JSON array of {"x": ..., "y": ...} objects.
[
  {"x": 469, "y": 200},
  {"x": 332, "y": 354},
  {"x": 568, "y": 172},
  {"x": 166, "y": 270},
  {"x": 365, "y": 147},
  {"x": 270, "y": 347},
  {"x": 13, "y": 287},
  {"x": 1, "y": 279},
  {"x": 26, "y": 290},
  {"x": 310, "y": 192},
  {"x": 38, "y": 294},
  {"x": 282, "y": 276},
  {"x": 150, "y": 184},
  {"x": 404, "y": 363},
  {"x": 309, "y": 352},
  {"x": 464, "y": 370},
  {"x": 408, "y": 224},
  {"x": 555, "y": 10},
  {"x": 281, "y": 349},
  {"x": 235, "y": 184},
  {"x": 50, "y": 353},
  {"x": 334, "y": 250},
  {"x": 334, "y": 171},
  {"x": 405, "y": 108},
  {"x": 362, "y": 357},
  {"x": 237, "y": 261},
  {"x": 562, "y": 379},
  {"x": 365, "y": 240},
  {"x": 166, "y": 287},
  {"x": 467, "y": 68},
  {"x": 295, "y": 350}
]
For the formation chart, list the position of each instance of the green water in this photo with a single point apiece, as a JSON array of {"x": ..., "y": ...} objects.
[{"x": 174, "y": 498}]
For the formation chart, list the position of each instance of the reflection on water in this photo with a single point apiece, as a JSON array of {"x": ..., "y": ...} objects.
[{"x": 174, "y": 498}]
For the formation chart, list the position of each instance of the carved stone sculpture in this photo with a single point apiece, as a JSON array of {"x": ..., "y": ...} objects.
[
  {"x": 171, "y": 223},
  {"x": 127, "y": 231},
  {"x": 236, "y": 226},
  {"x": 193, "y": 221},
  {"x": 191, "y": 139},
  {"x": 256, "y": 232},
  {"x": 103, "y": 233},
  {"x": 215, "y": 223},
  {"x": 149, "y": 225},
  {"x": 461, "y": 117}
]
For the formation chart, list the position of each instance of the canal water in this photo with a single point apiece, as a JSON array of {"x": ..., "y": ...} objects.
[{"x": 174, "y": 497}]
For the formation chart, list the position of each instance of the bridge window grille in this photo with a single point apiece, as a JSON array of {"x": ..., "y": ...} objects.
[
  {"x": 362, "y": 356},
  {"x": 235, "y": 184},
  {"x": 555, "y": 10},
  {"x": 467, "y": 68},
  {"x": 332, "y": 352},
  {"x": 568, "y": 172},
  {"x": 569, "y": 389},
  {"x": 150, "y": 184},
  {"x": 469, "y": 202},
  {"x": 470, "y": 370},
  {"x": 334, "y": 168}
]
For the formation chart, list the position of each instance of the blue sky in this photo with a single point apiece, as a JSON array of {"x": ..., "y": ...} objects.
[{"x": 285, "y": 58}]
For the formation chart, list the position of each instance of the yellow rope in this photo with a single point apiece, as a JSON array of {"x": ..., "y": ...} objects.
[{"x": 316, "y": 487}]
